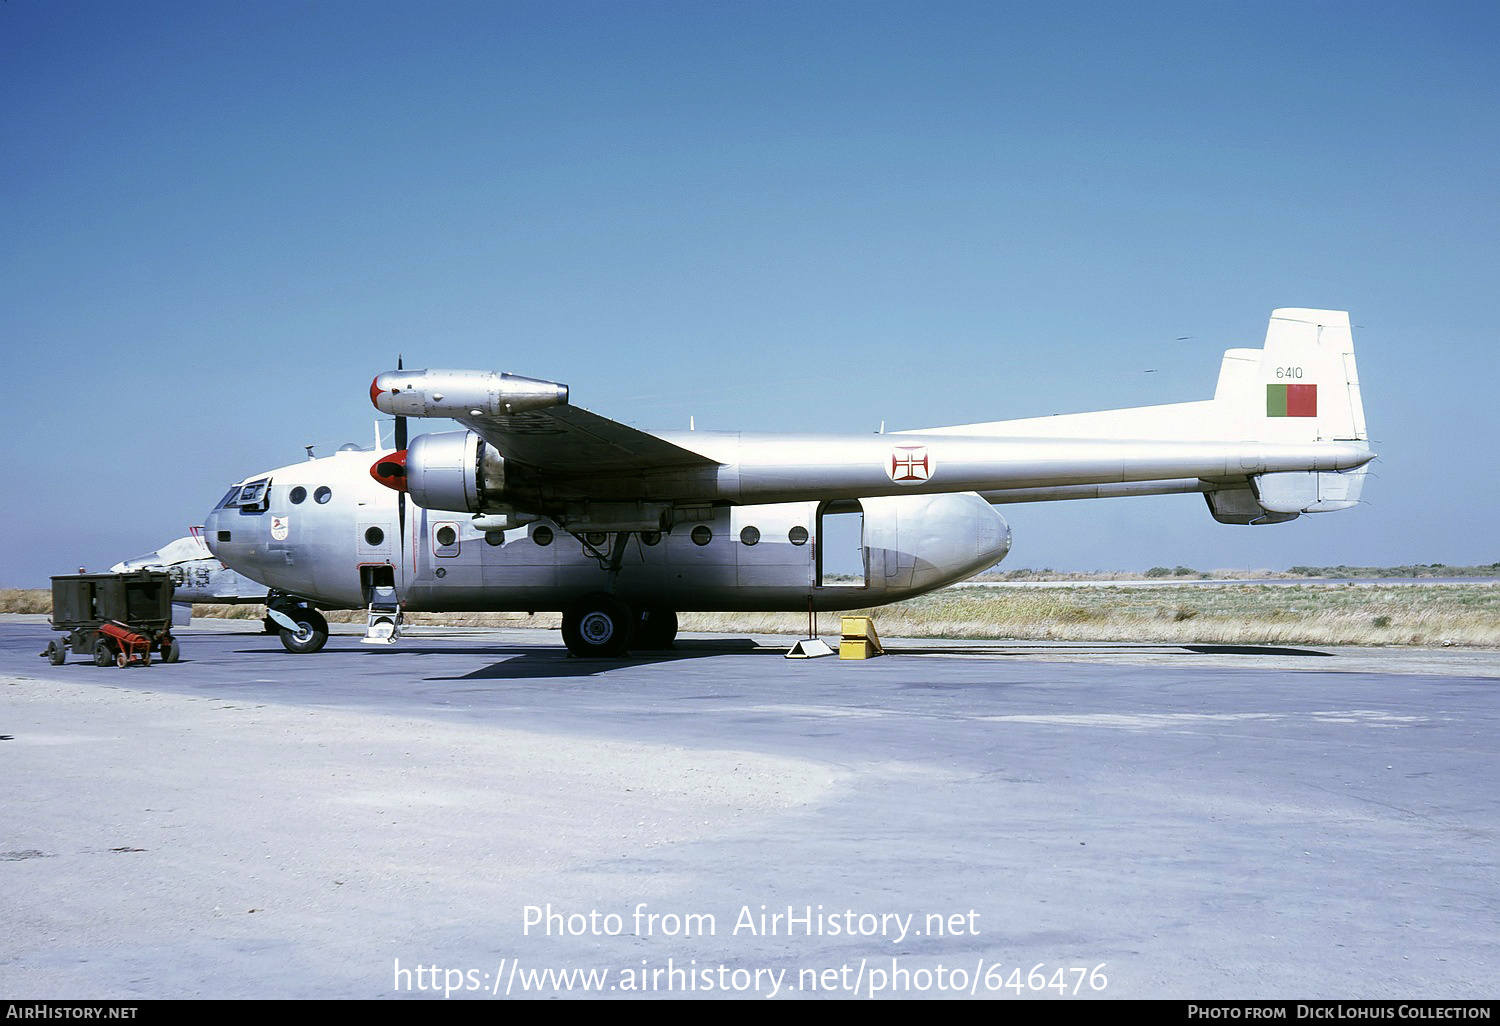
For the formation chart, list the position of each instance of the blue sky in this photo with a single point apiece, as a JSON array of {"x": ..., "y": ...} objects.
[{"x": 220, "y": 221}]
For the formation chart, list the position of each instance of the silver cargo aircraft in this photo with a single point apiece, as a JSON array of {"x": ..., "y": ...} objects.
[{"x": 538, "y": 504}]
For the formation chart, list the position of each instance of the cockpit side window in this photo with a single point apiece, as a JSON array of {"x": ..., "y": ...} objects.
[{"x": 252, "y": 497}]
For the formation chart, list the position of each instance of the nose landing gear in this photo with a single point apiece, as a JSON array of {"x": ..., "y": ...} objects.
[{"x": 303, "y": 628}]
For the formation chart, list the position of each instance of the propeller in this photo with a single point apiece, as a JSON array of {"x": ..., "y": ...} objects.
[{"x": 400, "y": 441}]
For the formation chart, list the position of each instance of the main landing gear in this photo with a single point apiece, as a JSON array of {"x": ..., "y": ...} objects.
[{"x": 602, "y": 626}]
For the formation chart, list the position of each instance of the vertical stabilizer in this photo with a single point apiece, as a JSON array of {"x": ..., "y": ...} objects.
[
  {"x": 1303, "y": 386},
  {"x": 1308, "y": 384}
]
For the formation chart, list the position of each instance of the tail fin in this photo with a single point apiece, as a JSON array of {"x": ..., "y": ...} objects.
[{"x": 1303, "y": 386}]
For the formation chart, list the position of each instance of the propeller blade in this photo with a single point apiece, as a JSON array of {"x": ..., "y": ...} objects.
[
  {"x": 400, "y": 440},
  {"x": 400, "y": 421}
]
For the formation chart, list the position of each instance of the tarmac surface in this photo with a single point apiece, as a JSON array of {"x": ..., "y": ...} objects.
[{"x": 474, "y": 813}]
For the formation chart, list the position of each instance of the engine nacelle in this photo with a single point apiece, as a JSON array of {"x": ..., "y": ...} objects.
[
  {"x": 462, "y": 394},
  {"x": 454, "y": 470}
]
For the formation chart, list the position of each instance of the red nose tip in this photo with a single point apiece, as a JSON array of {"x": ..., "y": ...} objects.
[{"x": 391, "y": 470}]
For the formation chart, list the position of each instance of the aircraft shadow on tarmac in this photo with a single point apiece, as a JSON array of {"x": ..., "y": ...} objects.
[
  {"x": 524, "y": 662},
  {"x": 529, "y": 662},
  {"x": 1251, "y": 650}
]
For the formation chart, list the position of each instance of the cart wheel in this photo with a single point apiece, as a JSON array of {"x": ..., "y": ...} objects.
[
  {"x": 170, "y": 651},
  {"x": 122, "y": 659},
  {"x": 56, "y": 653},
  {"x": 146, "y": 656},
  {"x": 102, "y": 655}
]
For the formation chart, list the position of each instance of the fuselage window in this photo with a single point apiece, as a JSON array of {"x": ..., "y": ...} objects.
[
  {"x": 702, "y": 535},
  {"x": 750, "y": 535},
  {"x": 374, "y": 536},
  {"x": 542, "y": 535},
  {"x": 651, "y": 537},
  {"x": 297, "y": 495},
  {"x": 597, "y": 537},
  {"x": 323, "y": 494},
  {"x": 797, "y": 535},
  {"x": 446, "y": 535},
  {"x": 494, "y": 537}
]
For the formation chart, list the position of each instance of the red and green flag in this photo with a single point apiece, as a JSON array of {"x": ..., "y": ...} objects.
[{"x": 1291, "y": 400}]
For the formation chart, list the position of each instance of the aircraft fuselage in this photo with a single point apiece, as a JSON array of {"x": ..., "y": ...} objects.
[{"x": 323, "y": 530}]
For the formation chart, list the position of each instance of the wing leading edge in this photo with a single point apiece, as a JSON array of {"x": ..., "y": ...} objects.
[{"x": 531, "y": 422}]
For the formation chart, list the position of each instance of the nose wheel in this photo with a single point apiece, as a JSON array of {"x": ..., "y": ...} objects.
[{"x": 311, "y": 633}]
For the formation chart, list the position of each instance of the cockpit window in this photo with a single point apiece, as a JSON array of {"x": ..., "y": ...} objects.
[{"x": 253, "y": 497}]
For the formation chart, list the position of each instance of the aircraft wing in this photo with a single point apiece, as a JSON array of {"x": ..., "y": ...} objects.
[
  {"x": 569, "y": 441},
  {"x": 531, "y": 422}
]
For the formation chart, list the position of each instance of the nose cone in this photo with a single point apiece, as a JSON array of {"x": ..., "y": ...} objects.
[
  {"x": 390, "y": 470},
  {"x": 385, "y": 389}
]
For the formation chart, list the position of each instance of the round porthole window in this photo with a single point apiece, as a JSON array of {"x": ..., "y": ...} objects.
[
  {"x": 650, "y": 537},
  {"x": 702, "y": 535},
  {"x": 542, "y": 535},
  {"x": 446, "y": 535},
  {"x": 494, "y": 537},
  {"x": 797, "y": 536},
  {"x": 374, "y": 536},
  {"x": 596, "y": 538},
  {"x": 297, "y": 495},
  {"x": 323, "y": 494},
  {"x": 750, "y": 535}
]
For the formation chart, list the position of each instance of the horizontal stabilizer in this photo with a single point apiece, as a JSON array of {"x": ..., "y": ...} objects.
[
  {"x": 1277, "y": 498},
  {"x": 1310, "y": 491}
]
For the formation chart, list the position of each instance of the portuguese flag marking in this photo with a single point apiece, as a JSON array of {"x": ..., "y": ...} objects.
[{"x": 1291, "y": 400}]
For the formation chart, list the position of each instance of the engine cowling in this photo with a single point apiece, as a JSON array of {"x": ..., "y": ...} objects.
[
  {"x": 450, "y": 470},
  {"x": 461, "y": 394}
]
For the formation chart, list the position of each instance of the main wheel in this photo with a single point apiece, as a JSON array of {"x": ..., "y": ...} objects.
[
  {"x": 311, "y": 633},
  {"x": 598, "y": 625},
  {"x": 656, "y": 630}
]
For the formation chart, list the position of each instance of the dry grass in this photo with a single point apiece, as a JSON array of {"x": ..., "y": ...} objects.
[
  {"x": 1320, "y": 614},
  {"x": 1244, "y": 614},
  {"x": 25, "y": 600}
]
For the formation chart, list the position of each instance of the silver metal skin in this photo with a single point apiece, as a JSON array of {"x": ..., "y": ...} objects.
[
  {"x": 540, "y": 505},
  {"x": 912, "y": 545}
]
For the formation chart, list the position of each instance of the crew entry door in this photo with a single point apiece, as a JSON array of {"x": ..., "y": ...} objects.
[{"x": 843, "y": 561}]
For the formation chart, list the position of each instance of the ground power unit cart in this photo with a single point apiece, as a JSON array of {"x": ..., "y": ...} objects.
[{"x": 115, "y": 618}]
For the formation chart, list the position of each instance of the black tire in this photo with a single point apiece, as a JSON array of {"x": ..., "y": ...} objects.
[
  {"x": 170, "y": 651},
  {"x": 311, "y": 635},
  {"x": 103, "y": 654},
  {"x": 656, "y": 630},
  {"x": 598, "y": 626},
  {"x": 57, "y": 653}
]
